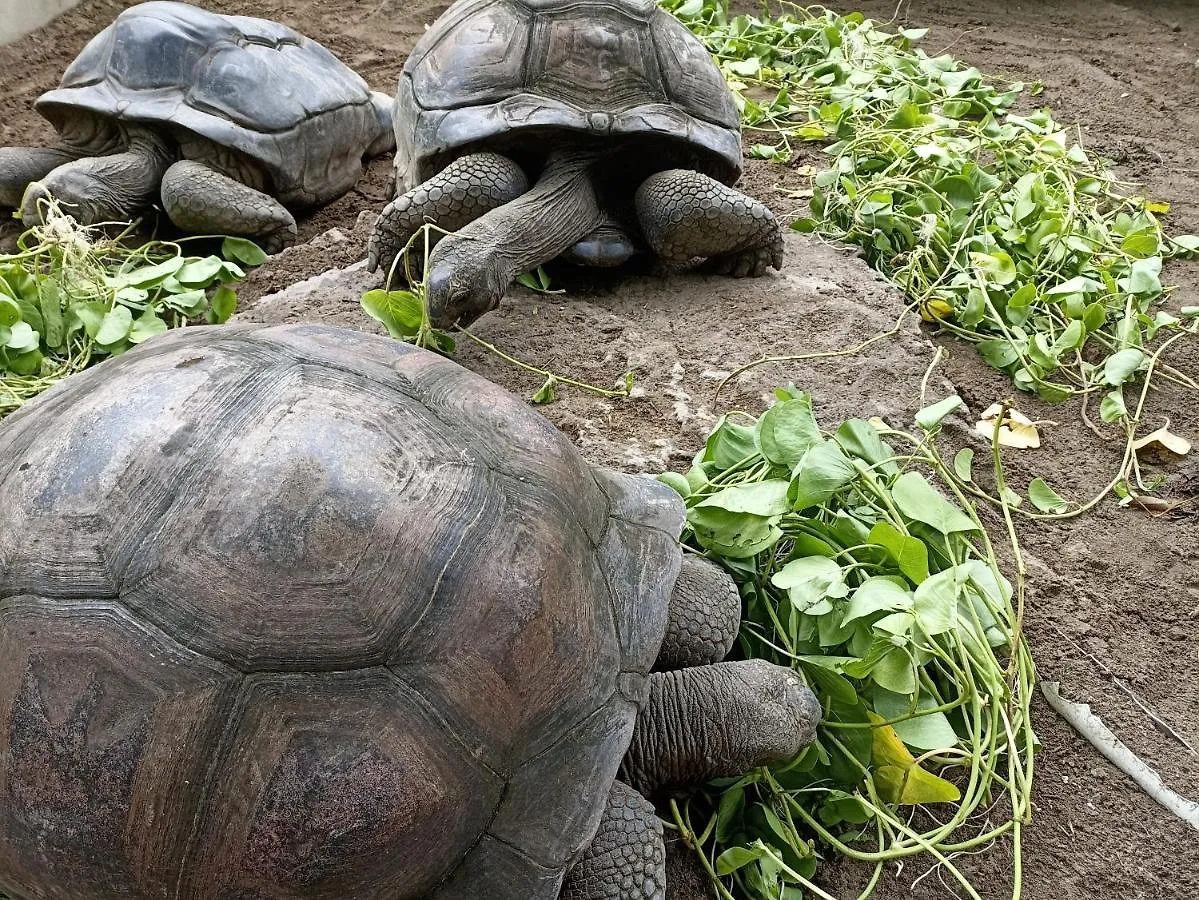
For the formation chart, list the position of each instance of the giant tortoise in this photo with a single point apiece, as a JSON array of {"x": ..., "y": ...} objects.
[
  {"x": 296, "y": 612},
  {"x": 615, "y": 113},
  {"x": 231, "y": 120}
]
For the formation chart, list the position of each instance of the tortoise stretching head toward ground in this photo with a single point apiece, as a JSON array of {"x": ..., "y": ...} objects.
[
  {"x": 230, "y": 121},
  {"x": 296, "y": 612},
  {"x": 611, "y": 109}
]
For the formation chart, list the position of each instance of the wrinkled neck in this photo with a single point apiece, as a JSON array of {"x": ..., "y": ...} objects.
[
  {"x": 132, "y": 177},
  {"x": 539, "y": 225}
]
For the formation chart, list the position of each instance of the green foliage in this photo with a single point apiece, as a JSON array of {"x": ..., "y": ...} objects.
[
  {"x": 70, "y": 297},
  {"x": 882, "y": 591},
  {"x": 998, "y": 225}
]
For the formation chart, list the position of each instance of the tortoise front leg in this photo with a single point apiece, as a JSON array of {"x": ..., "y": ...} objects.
[
  {"x": 627, "y": 858},
  {"x": 21, "y": 165},
  {"x": 686, "y": 215},
  {"x": 202, "y": 200},
  {"x": 703, "y": 618},
  {"x": 462, "y": 192}
]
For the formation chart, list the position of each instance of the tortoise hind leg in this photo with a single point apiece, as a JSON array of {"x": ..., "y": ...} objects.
[
  {"x": 627, "y": 858},
  {"x": 202, "y": 200},
  {"x": 465, "y": 190},
  {"x": 685, "y": 215},
  {"x": 19, "y": 166},
  {"x": 606, "y": 247}
]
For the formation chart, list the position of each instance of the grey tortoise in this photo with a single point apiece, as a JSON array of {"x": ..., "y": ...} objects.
[
  {"x": 231, "y": 121},
  {"x": 297, "y": 612},
  {"x": 611, "y": 109}
]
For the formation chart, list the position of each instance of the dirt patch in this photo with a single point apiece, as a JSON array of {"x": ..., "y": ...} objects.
[{"x": 1116, "y": 590}]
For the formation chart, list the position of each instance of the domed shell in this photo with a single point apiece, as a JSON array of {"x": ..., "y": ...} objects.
[
  {"x": 490, "y": 69},
  {"x": 297, "y": 611},
  {"x": 248, "y": 84}
]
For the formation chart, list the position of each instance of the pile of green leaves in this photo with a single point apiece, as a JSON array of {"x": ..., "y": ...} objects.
[
  {"x": 998, "y": 225},
  {"x": 885, "y": 595},
  {"x": 71, "y": 296}
]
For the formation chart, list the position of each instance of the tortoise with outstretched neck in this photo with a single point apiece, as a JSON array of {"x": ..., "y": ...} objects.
[
  {"x": 611, "y": 109},
  {"x": 295, "y": 612},
  {"x": 230, "y": 121}
]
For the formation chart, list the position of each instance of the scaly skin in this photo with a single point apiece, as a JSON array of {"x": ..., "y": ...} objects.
[
  {"x": 686, "y": 215},
  {"x": 200, "y": 199},
  {"x": 711, "y": 720},
  {"x": 627, "y": 858},
  {"x": 705, "y": 614},
  {"x": 718, "y": 721},
  {"x": 462, "y": 192}
]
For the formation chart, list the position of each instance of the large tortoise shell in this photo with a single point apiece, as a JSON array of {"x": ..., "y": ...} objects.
[
  {"x": 494, "y": 69},
  {"x": 254, "y": 86},
  {"x": 295, "y": 611}
]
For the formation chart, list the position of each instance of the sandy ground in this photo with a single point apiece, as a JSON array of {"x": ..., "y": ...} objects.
[{"x": 1115, "y": 592}]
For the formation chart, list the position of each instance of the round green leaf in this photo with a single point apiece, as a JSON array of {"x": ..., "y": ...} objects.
[
  {"x": 1120, "y": 367},
  {"x": 764, "y": 498},
  {"x": 22, "y": 338},
  {"x": 243, "y": 251},
  {"x": 787, "y": 430},
  {"x": 10, "y": 313},
  {"x": 115, "y": 326},
  {"x": 145, "y": 327}
]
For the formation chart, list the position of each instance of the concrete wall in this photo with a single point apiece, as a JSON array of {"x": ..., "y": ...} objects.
[{"x": 19, "y": 17}]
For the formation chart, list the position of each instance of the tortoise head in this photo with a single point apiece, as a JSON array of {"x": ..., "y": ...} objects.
[
  {"x": 464, "y": 281},
  {"x": 108, "y": 188},
  {"x": 78, "y": 190}
]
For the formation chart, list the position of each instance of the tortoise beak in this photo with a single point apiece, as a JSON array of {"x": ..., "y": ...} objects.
[{"x": 35, "y": 200}]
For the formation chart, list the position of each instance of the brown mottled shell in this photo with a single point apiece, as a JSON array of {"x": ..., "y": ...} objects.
[
  {"x": 491, "y": 71},
  {"x": 296, "y": 611}
]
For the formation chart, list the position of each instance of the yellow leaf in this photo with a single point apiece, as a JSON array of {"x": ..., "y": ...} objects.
[
  {"x": 898, "y": 778},
  {"x": 1158, "y": 206},
  {"x": 1163, "y": 437},
  {"x": 935, "y": 310},
  {"x": 1016, "y": 429}
]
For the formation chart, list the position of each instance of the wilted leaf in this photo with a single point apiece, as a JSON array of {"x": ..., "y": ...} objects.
[
  {"x": 1163, "y": 437},
  {"x": 899, "y": 779},
  {"x": 963, "y": 464},
  {"x": 1016, "y": 429}
]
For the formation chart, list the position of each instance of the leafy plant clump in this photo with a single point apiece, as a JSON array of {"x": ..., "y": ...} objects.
[
  {"x": 885, "y": 595},
  {"x": 999, "y": 226},
  {"x": 71, "y": 296}
]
